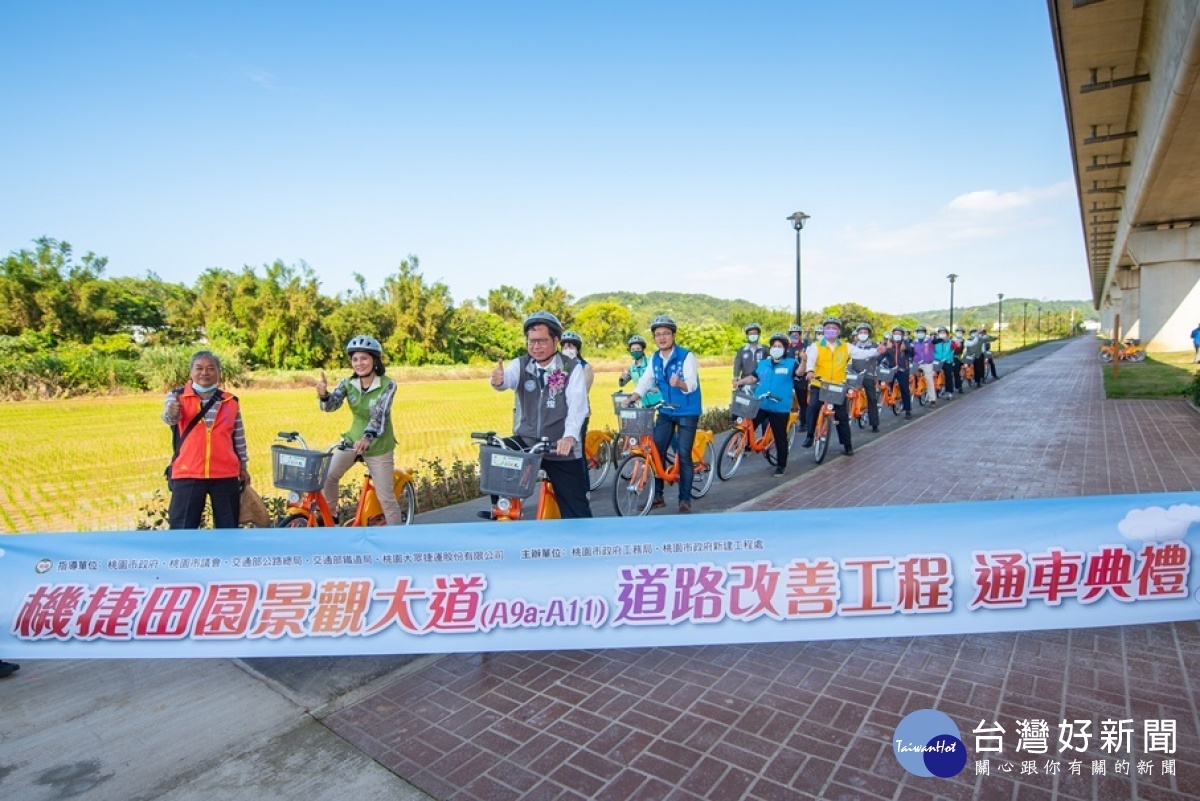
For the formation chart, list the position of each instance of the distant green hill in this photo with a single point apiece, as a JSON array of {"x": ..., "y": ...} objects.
[
  {"x": 1014, "y": 309},
  {"x": 695, "y": 309},
  {"x": 698, "y": 309}
]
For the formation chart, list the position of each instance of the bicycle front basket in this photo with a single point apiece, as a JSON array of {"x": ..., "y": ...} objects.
[
  {"x": 636, "y": 421},
  {"x": 833, "y": 393},
  {"x": 886, "y": 374},
  {"x": 854, "y": 380},
  {"x": 619, "y": 399},
  {"x": 510, "y": 473},
  {"x": 937, "y": 366},
  {"x": 299, "y": 470},
  {"x": 744, "y": 405}
]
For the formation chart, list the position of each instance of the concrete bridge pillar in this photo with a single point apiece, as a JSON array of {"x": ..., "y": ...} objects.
[{"x": 1167, "y": 273}]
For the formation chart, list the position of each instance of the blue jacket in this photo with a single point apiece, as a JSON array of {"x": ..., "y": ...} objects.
[
  {"x": 775, "y": 378},
  {"x": 687, "y": 403}
]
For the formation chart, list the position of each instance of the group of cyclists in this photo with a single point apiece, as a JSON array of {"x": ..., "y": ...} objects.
[
  {"x": 827, "y": 357},
  {"x": 551, "y": 383}
]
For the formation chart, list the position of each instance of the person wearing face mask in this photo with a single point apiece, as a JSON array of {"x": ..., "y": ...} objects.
[
  {"x": 956, "y": 347},
  {"x": 869, "y": 367},
  {"x": 571, "y": 347},
  {"x": 973, "y": 353},
  {"x": 773, "y": 376},
  {"x": 988, "y": 359},
  {"x": 210, "y": 458},
  {"x": 944, "y": 353},
  {"x": 923, "y": 350},
  {"x": 749, "y": 355},
  {"x": 898, "y": 353},
  {"x": 827, "y": 360},
  {"x": 798, "y": 350},
  {"x": 637, "y": 352}
]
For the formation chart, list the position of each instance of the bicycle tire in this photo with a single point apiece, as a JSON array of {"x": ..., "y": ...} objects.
[
  {"x": 821, "y": 445},
  {"x": 702, "y": 479},
  {"x": 1104, "y": 356},
  {"x": 633, "y": 490},
  {"x": 408, "y": 505},
  {"x": 1139, "y": 356},
  {"x": 603, "y": 460},
  {"x": 294, "y": 520},
  {"x": 733, "y": 450}
]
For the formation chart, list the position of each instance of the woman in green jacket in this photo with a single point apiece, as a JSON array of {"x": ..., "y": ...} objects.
[{"x": 369, "y": 393}]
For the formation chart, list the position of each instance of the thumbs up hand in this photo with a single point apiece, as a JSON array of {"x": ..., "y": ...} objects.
[
  {"x": 498, "y": 374},
  {"x": 323, "y": 386}
]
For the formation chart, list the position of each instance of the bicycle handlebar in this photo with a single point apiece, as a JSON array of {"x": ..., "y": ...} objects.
[{"x": 544, "y": 445}]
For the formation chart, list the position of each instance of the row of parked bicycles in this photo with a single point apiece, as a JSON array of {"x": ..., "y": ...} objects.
[{"x": 514, "y": 474}]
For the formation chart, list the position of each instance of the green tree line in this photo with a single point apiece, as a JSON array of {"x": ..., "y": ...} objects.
[{"x": 65, "y": 327}]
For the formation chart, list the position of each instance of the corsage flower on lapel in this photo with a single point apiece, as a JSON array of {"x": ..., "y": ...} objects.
[{"x": 556, "y": 382}]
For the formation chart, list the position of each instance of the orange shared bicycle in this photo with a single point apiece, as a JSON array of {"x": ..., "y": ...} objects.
[
  {"x": 633, "y": 490},
  {"x": 830, "y": 395},
  {"x": 743, "y": 437},
  {"x": 513, "y": 475},
  {"x": 303, "y": 472}
]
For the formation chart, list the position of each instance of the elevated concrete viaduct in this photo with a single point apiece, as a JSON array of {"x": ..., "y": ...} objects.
[{"x": 1129, "y": 77}]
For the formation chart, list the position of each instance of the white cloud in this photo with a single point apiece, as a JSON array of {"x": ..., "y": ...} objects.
[
  {"x": 979, "y": 216},
  {"x": 263, "y": 78},
  {"x": 1157, "y": 523}
]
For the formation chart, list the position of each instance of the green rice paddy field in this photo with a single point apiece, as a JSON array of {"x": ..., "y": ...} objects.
[{"x": 86, "y": 464}]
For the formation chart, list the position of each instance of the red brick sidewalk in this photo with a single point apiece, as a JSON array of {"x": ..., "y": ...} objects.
[{"x": 814, "y": 720}]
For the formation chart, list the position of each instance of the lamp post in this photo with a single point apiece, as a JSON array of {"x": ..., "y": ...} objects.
[
  {"x": 798, "y": 223},
  {"x": 1000, "y": 322},
  {"x": 953, "y": 277},
  {"x": 1024, "y": 320},
  {"x": 1039, "y": 323}
]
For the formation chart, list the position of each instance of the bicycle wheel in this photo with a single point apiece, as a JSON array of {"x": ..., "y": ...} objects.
[
  {"x": 633, "y": 490},
  {"x": 599, "y": 465},
  {"x": 895, "y": 403},
  {"x": 1138, "y": 356},
  {"x": 293, "y": 521},
  {"x": 733, "y": 450},
  {"x": 821, "y": 445},
  {"x": 408, "y": 503},
  {"x": 702, "y": 480},
  {"x": 1105, "y": 356}
]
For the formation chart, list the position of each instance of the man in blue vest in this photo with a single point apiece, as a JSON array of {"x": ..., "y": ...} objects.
[{"x": 676, "y": 374}]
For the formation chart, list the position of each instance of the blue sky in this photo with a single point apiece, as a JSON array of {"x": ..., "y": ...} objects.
[{"x": 611, "y": 145}]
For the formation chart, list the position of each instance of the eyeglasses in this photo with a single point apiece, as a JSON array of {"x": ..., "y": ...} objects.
[{"x": 539, "y": 341}]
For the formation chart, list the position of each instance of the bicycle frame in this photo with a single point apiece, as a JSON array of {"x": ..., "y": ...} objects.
[{"x": 313, "y": 506}]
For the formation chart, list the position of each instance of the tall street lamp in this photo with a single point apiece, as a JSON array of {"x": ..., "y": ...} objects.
[
  {"x": 1024, "y": 320},
  {"x": 953, "y": 277},
  {"x": 798, "y": 223},
  {"x": 1000, "y": 322},
  {"x": 1039, "y": 323}
]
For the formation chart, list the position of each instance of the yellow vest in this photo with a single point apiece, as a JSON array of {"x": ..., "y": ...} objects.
[{"x": 831, "y": 363}]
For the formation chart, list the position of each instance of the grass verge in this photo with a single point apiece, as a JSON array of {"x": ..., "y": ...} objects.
[{"x": 1162, "y": 375}]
